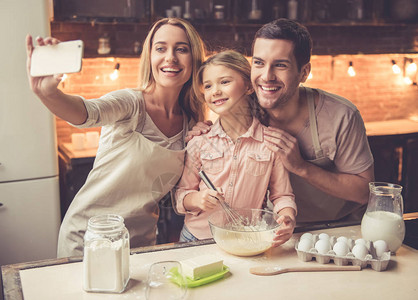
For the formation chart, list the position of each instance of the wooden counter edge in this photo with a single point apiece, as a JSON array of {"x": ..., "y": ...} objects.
[{"x": 10, "y": 274}]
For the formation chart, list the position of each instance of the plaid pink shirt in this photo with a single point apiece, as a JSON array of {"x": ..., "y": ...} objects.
[{"x": 244, "y": 170}]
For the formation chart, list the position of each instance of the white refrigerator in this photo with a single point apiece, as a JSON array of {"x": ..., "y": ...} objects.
[{"x": 29, "y": 185}]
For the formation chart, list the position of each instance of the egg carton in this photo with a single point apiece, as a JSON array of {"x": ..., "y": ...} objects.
[{"x": 376, "y": 263}]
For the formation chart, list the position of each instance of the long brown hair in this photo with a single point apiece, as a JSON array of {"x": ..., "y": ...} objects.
[{"x": 187, "y": 99}]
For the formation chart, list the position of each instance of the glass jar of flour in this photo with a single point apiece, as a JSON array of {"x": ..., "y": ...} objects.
[{"x": 106, "y": 254}]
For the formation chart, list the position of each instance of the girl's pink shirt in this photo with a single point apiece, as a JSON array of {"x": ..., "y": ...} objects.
[{"x": 244, "y": 170}]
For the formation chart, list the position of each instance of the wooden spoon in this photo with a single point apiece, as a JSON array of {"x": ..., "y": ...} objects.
[{"x": 274, "y": 270}]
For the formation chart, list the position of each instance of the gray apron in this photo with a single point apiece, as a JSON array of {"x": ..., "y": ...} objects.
[
  {"x": 313, "y": 204},
  {"x": 128, "y": 179}
]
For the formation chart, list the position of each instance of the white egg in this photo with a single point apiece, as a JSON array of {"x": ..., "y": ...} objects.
[
  {"x": 306, "y": 235},
  {"x": 342, "y": 239},
  {"x": 305, "y": 244},
  {"x": 323, "y": 236},
  {"x": 341, "y": 248},
  {"x": 323, "y": 246},
  {"x": 360, "y": 251},
  {"x": 360, "y": 241},
  {"x": 380, "y": 246}
]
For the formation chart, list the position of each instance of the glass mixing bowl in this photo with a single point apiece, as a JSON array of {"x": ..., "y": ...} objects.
[{"x": 251, "y": 235}]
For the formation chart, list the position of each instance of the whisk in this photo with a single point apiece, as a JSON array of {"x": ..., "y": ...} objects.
[{"x": 234, "y": 217}]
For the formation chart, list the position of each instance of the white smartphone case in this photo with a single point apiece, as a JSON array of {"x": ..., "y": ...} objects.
[{"x": 65, "y": 57}]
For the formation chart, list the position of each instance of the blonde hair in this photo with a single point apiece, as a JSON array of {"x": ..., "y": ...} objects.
[
  {"x": 233, "y": 60},
  {"x": 187, "y": 99}
]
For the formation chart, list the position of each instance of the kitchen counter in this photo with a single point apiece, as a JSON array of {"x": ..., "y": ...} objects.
[
  {"x": 68, "y": 150},
  {"x": 62, "y": 278},
  {"x": 391, "y": 127}
]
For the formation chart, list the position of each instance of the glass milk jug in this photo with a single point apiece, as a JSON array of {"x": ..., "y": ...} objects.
[
  {"x": 106, "y": 254},
  {"x": 383, "y": 219}
]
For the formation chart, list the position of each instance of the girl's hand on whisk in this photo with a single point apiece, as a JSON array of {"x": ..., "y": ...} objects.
[
  {"x": 208, "y": 199},
  {"x": 285, "y": 230}
]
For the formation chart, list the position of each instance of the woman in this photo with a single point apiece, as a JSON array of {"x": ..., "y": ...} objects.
[{"x": 141, "y": 152}]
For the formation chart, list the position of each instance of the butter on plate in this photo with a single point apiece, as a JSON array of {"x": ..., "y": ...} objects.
[{"x": 201, "y": 266}]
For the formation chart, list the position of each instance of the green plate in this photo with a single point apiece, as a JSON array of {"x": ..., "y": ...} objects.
[{"x": 177, "y": 278}]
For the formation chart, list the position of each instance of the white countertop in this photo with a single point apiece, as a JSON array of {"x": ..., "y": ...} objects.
[{"x": 398, "y": 281}]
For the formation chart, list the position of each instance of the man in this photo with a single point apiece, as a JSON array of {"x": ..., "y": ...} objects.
[
  {"x": 322, "y": 142},
  {"x": 320, "y": 137}
]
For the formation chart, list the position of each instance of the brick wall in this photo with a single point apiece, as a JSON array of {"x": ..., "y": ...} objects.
[
  {"x": 94, "y": 81},
  {"x": 378, "y": 93}
]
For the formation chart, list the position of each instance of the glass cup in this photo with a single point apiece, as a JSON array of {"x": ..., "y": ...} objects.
[{"x": 160, "y": 283}]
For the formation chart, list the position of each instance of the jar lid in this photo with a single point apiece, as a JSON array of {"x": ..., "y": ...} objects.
[{"x": 106, "y": 223}]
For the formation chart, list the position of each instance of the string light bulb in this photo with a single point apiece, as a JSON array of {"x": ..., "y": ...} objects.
[
  {"x": 351, "y": 72},
  {"x": 411, "y": 67},
  {"x": 410, "y": 71},
  {"x": 407, "y": 80},
  {"x": 115, "y": 74},
  {"x": 395, "y": 68}
]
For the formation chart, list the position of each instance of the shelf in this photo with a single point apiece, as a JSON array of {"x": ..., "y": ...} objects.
[{"x": 329, "y": 38}]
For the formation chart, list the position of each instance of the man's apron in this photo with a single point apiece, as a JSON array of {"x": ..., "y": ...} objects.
[
  {"x": 129, "y": 179},
  {"x": 313, "y": 204}
]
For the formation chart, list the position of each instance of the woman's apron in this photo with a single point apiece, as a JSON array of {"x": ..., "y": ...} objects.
[
  {"x": 129, "y": 179},
  {"x": 313, "y": 204}
]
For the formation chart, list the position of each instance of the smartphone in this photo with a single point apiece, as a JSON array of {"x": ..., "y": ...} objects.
[{"x": 65, "y": 57}]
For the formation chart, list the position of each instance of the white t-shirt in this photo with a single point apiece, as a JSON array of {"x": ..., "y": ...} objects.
[{"x": 115, "y": 108}]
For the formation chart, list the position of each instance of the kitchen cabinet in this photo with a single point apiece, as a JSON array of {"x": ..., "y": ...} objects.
[
  {"x": 376, "y": 32},
  {"x": 396, "y": 161},
  {"x": 394, "y": 145},
  {"x": 74, "y": 167},
  {"x": 410, "y": 174}
]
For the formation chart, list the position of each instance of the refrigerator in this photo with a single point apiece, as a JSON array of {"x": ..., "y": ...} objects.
[{"x": 29, "y": 184}]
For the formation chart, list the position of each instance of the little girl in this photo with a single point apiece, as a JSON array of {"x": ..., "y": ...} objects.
[{"x": 233, "y": 154}]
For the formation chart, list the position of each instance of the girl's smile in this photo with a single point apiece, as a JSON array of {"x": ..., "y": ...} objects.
[{"x": 220, "y": 101}]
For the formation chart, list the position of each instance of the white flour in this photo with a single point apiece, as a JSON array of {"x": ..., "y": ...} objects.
[{"x": 106, "y": 266}]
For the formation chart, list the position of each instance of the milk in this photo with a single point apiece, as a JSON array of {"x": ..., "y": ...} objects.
[{"x": 383, "y": 225}]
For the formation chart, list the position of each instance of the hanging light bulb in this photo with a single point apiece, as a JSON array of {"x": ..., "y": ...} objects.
[
  {"x": 412, "y": 67},
  {"x": 310, "y": 76},
  {"x": 351, "y": 72},
  {"x": 409, "y": 71},
  {"x": 115, "y": 73},
  {"x": 395, "y": 68},
  {"x": 407, "y": 80}
]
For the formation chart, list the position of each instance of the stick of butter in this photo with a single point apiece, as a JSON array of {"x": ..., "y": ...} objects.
[{"x": 201, "y": 266}]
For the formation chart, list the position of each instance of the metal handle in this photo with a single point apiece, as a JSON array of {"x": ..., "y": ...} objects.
[{"x": 206, "y": 180}]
